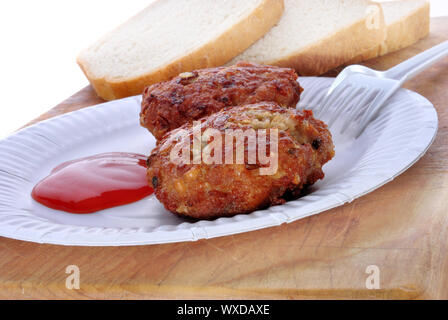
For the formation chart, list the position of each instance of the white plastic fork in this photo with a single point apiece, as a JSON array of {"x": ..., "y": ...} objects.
[{"x": 361, "y": 91}]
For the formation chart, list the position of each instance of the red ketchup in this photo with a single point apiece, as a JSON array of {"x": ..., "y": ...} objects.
[{"x": 94, "y": 183}]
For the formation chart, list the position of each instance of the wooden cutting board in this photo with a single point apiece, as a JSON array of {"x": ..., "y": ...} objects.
[{"x": 402, "y": 229}]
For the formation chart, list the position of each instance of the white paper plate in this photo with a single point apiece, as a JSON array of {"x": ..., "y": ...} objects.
[{"x": 392, "y": 143}]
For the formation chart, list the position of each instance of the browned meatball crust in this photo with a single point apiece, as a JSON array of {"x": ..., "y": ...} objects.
[
  {"x": 207, "y": 191},
  {"x": 193, "y": 95}
]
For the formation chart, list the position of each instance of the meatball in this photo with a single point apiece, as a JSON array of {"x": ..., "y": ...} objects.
[
  {"x": 205, "y": 189},
  {"x": 193, "y": 95}
]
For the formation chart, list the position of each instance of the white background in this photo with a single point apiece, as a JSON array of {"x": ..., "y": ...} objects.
[{"x": 39, "y": 44}]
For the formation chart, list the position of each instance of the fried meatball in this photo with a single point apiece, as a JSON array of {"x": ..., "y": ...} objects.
[
  {"x": 210, "y": 190},
  {"x": 193, "y": 95}
]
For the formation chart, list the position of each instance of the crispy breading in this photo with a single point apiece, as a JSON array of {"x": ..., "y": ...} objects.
[
  {"x": 207, "y": 191},
  {"x": 193, "y": 95}
]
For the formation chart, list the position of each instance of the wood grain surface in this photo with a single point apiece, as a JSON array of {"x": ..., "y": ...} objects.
[{"x": 402, "y": 228}]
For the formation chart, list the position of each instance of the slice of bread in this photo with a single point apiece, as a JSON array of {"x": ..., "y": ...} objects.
[
  {"x": 314, "y": 36},
  {"x": 407, "y": 21},
  {"x": 174, "y": 36}
]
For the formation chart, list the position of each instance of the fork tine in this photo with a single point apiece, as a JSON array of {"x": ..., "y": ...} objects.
[
  {"x": 374, "y": 108},
  {"x": 358, "y": 109},
  {"x": 367, "y": 116},
  {"x": 336, "y": 103},
  {"x": 323, "y": 106},
  {"x": 345, "y": 104},
  {"x": 330, "y": 99}
]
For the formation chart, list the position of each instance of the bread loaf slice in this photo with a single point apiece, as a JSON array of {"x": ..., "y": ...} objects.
[
  {"x": 407, "y": 21},
  {"x": 314, "y": 36},
  {"x": 174, "y": 36}
]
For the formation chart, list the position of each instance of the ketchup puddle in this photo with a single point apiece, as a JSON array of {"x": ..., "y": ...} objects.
[{"x": 94, "y": 183}]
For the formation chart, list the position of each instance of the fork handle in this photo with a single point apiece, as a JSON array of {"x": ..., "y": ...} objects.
[{"x": 411, "y": 67}]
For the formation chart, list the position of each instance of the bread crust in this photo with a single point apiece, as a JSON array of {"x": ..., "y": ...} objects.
[
  {"x": 336, "y": 49},
  {"x": 401, "y": 34},
  {"x": 215, "y": 53},
  {"x": 408, "y": 31}
]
